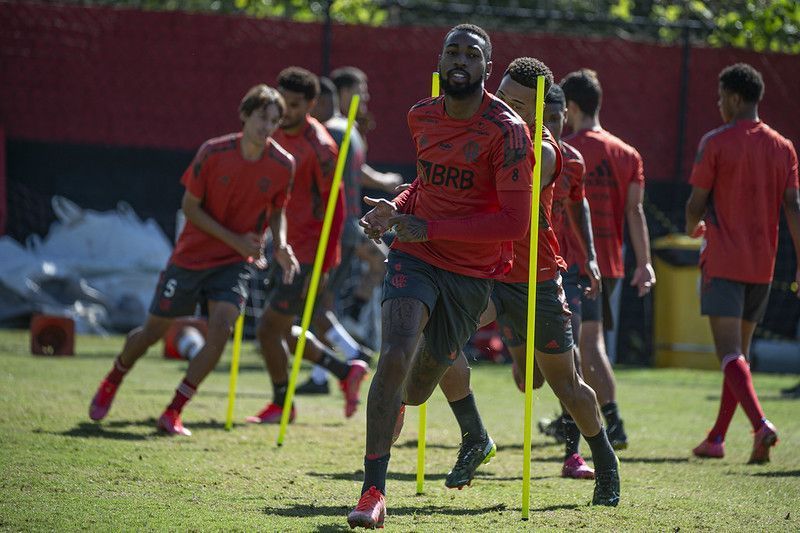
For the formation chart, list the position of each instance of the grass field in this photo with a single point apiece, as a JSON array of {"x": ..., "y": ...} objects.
[{"x": 59, "y": 471}]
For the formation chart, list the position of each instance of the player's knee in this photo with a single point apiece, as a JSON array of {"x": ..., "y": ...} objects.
[{"x": 414, "y": 396}]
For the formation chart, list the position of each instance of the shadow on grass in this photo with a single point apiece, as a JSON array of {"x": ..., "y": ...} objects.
[
  {"x": 653, "y": 460},
  {"x": 358, "y": 475},
  {"x": 307, "y": 510},
  {"x": 782, "y": 473},
  {"x": 89, "y": 430},
  {"x": 558, "y": 507}
]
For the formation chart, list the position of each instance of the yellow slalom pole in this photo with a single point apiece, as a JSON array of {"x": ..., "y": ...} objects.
[
  {"x": 423, "y": 409},
  {"x": 316, "y": 273},
  {"x": 237, "y": 348},
  {"x": 532, "y": 262}
]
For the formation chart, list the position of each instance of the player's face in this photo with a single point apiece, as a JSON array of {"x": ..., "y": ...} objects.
[
  {"x": 362, "y": 90},
  {"x": 260, "y": 124},
  {"x": 462, "y": 66},
  {"x": 726, "y": 104},
  {"x": 324, "y": 108},
  {"x": 555, "y": 116},
  {"x": 297, "y": 107},
  {"x": 520, "y": 98}
]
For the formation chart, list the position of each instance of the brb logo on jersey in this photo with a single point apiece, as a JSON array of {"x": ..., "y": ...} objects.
[{"x": 453, "y": 177}]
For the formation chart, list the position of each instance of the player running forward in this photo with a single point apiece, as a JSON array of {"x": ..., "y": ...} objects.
[
  {"x": 236, "y": 187},
  {"x": 744, "y": 171},
  {"x": 509, "y": 306},
  {"x": 454, "y": 226},
  {"x": 315, "y": 153},
  {"x": 614, "y": 188}
]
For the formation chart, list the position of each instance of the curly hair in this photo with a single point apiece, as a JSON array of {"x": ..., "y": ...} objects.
[
  {"x": 478, "y": 32},
  {"x": 525, "y": 70},
  {"x": 743, "y": 80},
  {"x": 299, "y": 80},
  {"x": 583, "y": 88}
]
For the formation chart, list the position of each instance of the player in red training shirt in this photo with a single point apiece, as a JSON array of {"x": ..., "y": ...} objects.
[
  {"x": 236, "y": 187},
  {"x": 743, "y": 173},
  {"x": 553, "y": 339},
  {"x": 315, "y": 153},
  {"x": 615, "y": 189},
  {"x": 455, "y": 229}
]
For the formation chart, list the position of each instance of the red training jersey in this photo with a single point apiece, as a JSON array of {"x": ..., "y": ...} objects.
[
  {"x": 237, "y": 193},
  {"x": 548, "y": 260},
  {"x": 461, "y": 165},
  {"x": 315, "y": 153},
  {"x": 611, "y": 167},
  {"x": 569, "y": 189},
  {"x": 747, "y": 166}
]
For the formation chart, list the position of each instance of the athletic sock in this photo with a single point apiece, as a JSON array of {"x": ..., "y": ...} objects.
[
  {"x": 727, "y": 406},
  {"x": 469, "y": 420},
  {"x": 183, "y": 394},
  {"x": 602, "y": 452},
  {"x": 738, "y": 378},
  {"x": 610, "y": 413},
  {"x": 279, "y": 393},
  {"x": 329, "y": 362},
  {"x": 339, "y": 337},
  {"x": 572, "y": 435},
  {"x": 117, "y": 372},
  {"x": 375, "y": 472}
]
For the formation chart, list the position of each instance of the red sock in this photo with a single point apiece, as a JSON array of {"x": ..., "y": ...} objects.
[
  {"x": 727, "y": 406},
  {"x": 738, "y": 378},
  {"x": 183, "y": 394},
  {"x": 118, "y": 372}
]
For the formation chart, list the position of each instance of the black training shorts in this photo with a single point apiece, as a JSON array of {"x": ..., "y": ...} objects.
[
  {"x": 599, "y": 309},
  {"x": 553, "y": 325},
  {"x": 725, "y": 297},
  {"x": 179, "y": 289},
  {"x": 454, "y": 301}
]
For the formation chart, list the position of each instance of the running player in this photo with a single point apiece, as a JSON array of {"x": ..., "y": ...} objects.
[
  {"x": 743, "y": 173},
  {"x": 455, "y": 233},
  {"x": 236, "y": 187},
  {"x": 315, "y": 152},
  {"x": 508, "y": 304},
  {"x": 615, "y": 189}
]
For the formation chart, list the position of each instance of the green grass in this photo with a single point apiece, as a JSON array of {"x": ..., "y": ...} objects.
[{"x": 59, "y": 471}]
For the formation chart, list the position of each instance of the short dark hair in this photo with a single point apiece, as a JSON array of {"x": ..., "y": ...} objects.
[
  {"x": 259, "y": 97},
  {"x": 299, "y": 80},
  {"x": 477, "y": 31},
  {"x": 326, "y": 86},
  {"x": 525, "y": 70},
  {"x": 347, "y": 77},
  {"x": 743, "y": 80},
  {"x": 555, "y": 96},
  {"x": 583, "y": 88}
]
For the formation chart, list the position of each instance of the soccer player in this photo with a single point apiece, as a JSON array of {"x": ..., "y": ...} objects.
[
  {"x": 236, "y": 187},
  {"x": 554, "y": 343},
  {"x": 315, "y": 153},
  {"x": 614, "y": 188},
  {"x": 455, "y": 227},
  {"x": 744, "y": 171}
]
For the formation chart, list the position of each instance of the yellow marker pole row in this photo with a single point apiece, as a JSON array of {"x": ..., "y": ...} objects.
[
  {"x": 313, "y": 286},
  {"x": 529, "y": 359},
  {"x": 234, "y": 376},
  {"x": 423, "y": 409}
]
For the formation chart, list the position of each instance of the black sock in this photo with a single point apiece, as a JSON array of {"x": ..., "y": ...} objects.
[
  {"x": 602, "y": 452},
  {"x": 279, "y": 393},
  {"x": 375, "y": 473},
  {"x": 329, "y": 362},
  {"x": 610, "y": 413},
  {"x": 469, "y": 420},
  {"x": 571, "y": 433}
]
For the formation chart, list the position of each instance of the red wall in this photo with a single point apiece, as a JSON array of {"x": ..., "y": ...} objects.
[{"x": 170, "y": 80}]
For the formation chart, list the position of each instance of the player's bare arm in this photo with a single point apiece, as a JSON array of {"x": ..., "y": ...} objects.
[
  {"x": 548, "y": 165},
  {"x": 644, "y": 277},
  {"x": 375, "y": 179},
  {"x": 580, "y": 220},
  {"x": 247, "y": 244},
  {"x": 282, "y": 251},
  {"x": 791, "y": 208},
  {"x": 695, "y": 210},
  {"x": 409, "y": 228}
]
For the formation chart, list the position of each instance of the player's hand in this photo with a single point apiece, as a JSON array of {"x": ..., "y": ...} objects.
[
  {"x": 699, "y": 230},
  {"x": 401, "y": 188},
  {"x": 376, "y": 221},
  {"x": 594, "y": 288},
  {"x": 644, "y": 278},
  {"x": 247, "y": 244},
  {"x": 409, "y": 228},
  {"x": 284, "y": 256}
]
